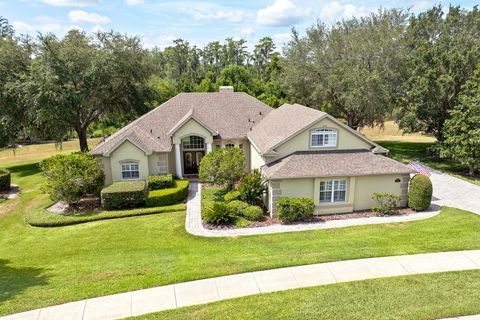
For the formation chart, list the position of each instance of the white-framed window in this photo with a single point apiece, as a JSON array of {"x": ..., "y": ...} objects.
[
  {"x": 323, "y": 138},
  {"x": 333, "y": 191},
  {"x": 193, "y": 142},
  {"x": 130, "y": 171},
  {"x": 229, "y": 145}
]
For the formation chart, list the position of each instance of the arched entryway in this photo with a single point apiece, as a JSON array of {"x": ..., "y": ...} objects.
[{"x": 193, "y": 150}]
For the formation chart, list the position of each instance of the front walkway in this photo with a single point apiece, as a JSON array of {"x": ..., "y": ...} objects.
[
  {"x": 193, "y": 220},
  {"x": 221, "y": 288}
]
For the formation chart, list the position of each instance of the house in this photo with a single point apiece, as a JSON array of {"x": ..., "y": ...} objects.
[{"x": 301, "y": 152}]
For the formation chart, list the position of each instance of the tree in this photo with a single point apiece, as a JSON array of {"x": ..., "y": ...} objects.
[
  {"x": 223, "y": 167},
  {"x": 263, "y": 52},
  {"x": 352, "y": 70},
  {"x": 236, "y": 76},
  {"x": 79, "y": 79},
  {"x": 444, "y": 50},
  {"x": 462, "y": 131},
  {"x": 6, "y": 29}
]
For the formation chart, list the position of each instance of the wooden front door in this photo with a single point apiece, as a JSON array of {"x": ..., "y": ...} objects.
[{"x": 191, "y": 160}]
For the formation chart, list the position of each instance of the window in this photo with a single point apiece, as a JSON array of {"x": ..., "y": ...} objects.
[
  {"x": 324, "y": 138},
  {"x": 193, "y": 142},
  {"x": 333, "y": 191},
  {"x": 229, "y": 145},
  {"x": 130, "y": 171}
]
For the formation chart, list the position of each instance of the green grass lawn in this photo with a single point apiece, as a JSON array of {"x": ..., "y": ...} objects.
[
  {"x": 46, "y": 266},
  {"x": 429, "y": 296}
]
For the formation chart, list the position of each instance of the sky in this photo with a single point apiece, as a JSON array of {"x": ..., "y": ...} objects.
[{"x": 158, "y": 23}]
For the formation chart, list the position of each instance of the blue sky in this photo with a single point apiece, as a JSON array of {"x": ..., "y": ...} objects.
[{"x": 160, "y": 22}]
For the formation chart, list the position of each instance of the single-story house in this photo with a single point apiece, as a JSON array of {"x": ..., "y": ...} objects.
[{"x": 301, "y": 152}]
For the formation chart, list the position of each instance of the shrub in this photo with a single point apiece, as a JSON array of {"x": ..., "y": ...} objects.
[
  {"x": 223, "y": 167},
  {"x": 253, "y": 213},
  {"x": 70, "y": 177},
  {"x": 5, "y": 180},
  {"x": 294, "y": 209},
  {"x": 420, "y": 192},
  {"x": 217, "y": 213},
  {"x": 166, "y": 197},
  {"x": 124, "y": 194},
  {"x": 385, "y": 202},
  {"x": 252, "y": 187},
  {"x": 238, "y": 207},
  {"x": 231, "y": 195},
  {"x": 159, "y": 182}
]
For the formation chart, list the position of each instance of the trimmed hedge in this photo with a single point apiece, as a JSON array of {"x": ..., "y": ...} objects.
[
  {"x": 294, "y": 209},
  {"x": 5, "y": 180},
  {"x": 253, "y": 213},
  {"x": 124, "y": 194},
  {"x": 232, "y": 195},
  {"x": 160, "y": 182},
  {"x": 168, "y": 196},
  {"x": 420, "y": 192}
]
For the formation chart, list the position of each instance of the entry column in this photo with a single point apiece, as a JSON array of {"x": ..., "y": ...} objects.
[{"x": 178, "y": 161}]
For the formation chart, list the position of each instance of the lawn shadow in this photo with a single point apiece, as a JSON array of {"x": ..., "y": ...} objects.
[
  {"x": 25, "y": 170},
  {"x": 15, "y": 280}
]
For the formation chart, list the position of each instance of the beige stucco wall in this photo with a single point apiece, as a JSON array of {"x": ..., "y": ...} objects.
[
  {"x": 256, "y": 160},
  {"x": 192, "y": 128},
  {"x": 158, "y": 163},
  {"x": 301, "y": 142},
  {"x": 367, "y": 185},
  {"x": 125, "y": 152},
  {"x": 104, "y": 164}
]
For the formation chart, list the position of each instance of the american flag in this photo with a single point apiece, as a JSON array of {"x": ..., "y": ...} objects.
[{"x": 420, "y": 168}]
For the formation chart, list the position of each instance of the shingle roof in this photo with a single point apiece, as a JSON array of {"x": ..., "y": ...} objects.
[
  {"x": 334, "y": 163},
  {"x": 231, "y": 114},
  {"x": 282, "y": 123}
]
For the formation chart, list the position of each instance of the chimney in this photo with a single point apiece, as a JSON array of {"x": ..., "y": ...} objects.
[{"x": 226, "y": 89}]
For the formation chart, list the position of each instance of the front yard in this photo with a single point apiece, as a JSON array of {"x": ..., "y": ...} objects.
[{"x": 46, "y": 266}]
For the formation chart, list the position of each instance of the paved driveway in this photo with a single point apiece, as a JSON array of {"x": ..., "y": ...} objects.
[{"x": 454, "y": 192}]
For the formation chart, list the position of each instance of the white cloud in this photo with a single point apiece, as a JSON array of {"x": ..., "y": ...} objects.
[
  {"x": 336, "y": 10},
  {"x": 22, "y": 27},
  {"x": 232, "y": 16},
  {"x": 282, "y": 13},
  {"x": 97, "y": 28},
  {"x": 160, "y": 42},
  {"x": 42, "y": 24},
  {"x": 83, "y": 16},
  {"x": 134, "y": 2},
  {"x": 248, "y": 31},
  {"x": 281, "y": 38},
  {"x": 71, "y": 3}
]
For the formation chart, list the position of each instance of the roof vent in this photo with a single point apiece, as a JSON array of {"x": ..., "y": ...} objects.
[{"x": 226, "y": 89}]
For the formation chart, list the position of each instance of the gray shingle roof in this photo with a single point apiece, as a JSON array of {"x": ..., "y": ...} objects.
[
  {"x": 231, "y": 114},
  {"x": 335, "y": 163},
  {"x": 282, "y": 123}
]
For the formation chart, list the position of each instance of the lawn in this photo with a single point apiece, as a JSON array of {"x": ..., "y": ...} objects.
[
  {"x": 429, "y": 296},
  {"x": 46, "y": 266},
  {"x": 391, "y": 132}
]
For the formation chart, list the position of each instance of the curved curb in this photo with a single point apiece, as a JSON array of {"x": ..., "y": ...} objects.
[{"x": 193, "y": 220}]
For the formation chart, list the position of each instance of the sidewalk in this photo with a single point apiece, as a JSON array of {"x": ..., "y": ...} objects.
[
  {"x": 193, "y": 220},
  {"x": 215, "y": 289}
]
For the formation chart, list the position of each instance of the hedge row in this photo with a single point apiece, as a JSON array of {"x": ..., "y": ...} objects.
[
  {"x": 159, "y": 182},
  {"x": 124, "y": 194},
  {"x": 5, "y": 180},
  {"x": 295, "y": 209},
  {"x": 169, "y": 196}
]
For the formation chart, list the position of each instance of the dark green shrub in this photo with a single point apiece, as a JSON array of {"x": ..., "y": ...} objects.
[
  {"x": 253, "y": 213},
  {"x": 70, "y": 177},
  {"x": 166, "y": 197},
  {"x": 5, "y": 180},
  {"x": 232, "y": 195},
  {"x": 294, "y": 209},
  {"x": 420, "y": 192},
  {"x": 238, "y": 207},
  {"x": 252, "y": 187},
  {"x": 159, "y": 182},
  {"x": 124, "y": 194},
  {"x": 217, "y": 213},
  {"x": 223, "y": 167},
  {"x": 385, "y": 202}
]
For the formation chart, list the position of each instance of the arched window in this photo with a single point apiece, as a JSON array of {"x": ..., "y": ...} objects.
[
  {"x": 323, "y": 138},
  {"x": 193, "y": 142}
]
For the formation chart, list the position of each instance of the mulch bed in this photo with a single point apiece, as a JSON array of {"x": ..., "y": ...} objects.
[
  {"x": 84, "y": 205},
  {"x": 268, "y": 221}
]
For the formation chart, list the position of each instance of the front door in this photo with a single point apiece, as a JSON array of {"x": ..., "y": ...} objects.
[{"x": 191, "y": 160}]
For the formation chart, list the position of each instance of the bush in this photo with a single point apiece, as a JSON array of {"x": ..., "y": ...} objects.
[
  {"x": 295, "y": 209},
  {"x": 159, "y": 182},
  {"x": 385, "y": 202},
  {"x": 223, "y": 167},
  {"x": 252, "y": 187},
  {"x": 253, "y": 213},
  {"x": 231, "y": 195},
  {"x": 238, "y": 207},
  {"x": 420, "y": 192},
  {"x": 166, "y": 197},
  {"x": 124, "y": 194},
  {"x": 70, "y": 177},
  {"x": 5, "y": 180},
  {"x": 217, "y": 213}
]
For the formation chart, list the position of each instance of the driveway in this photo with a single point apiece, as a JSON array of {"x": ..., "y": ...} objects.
[{"x": 454, "y": 192}]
